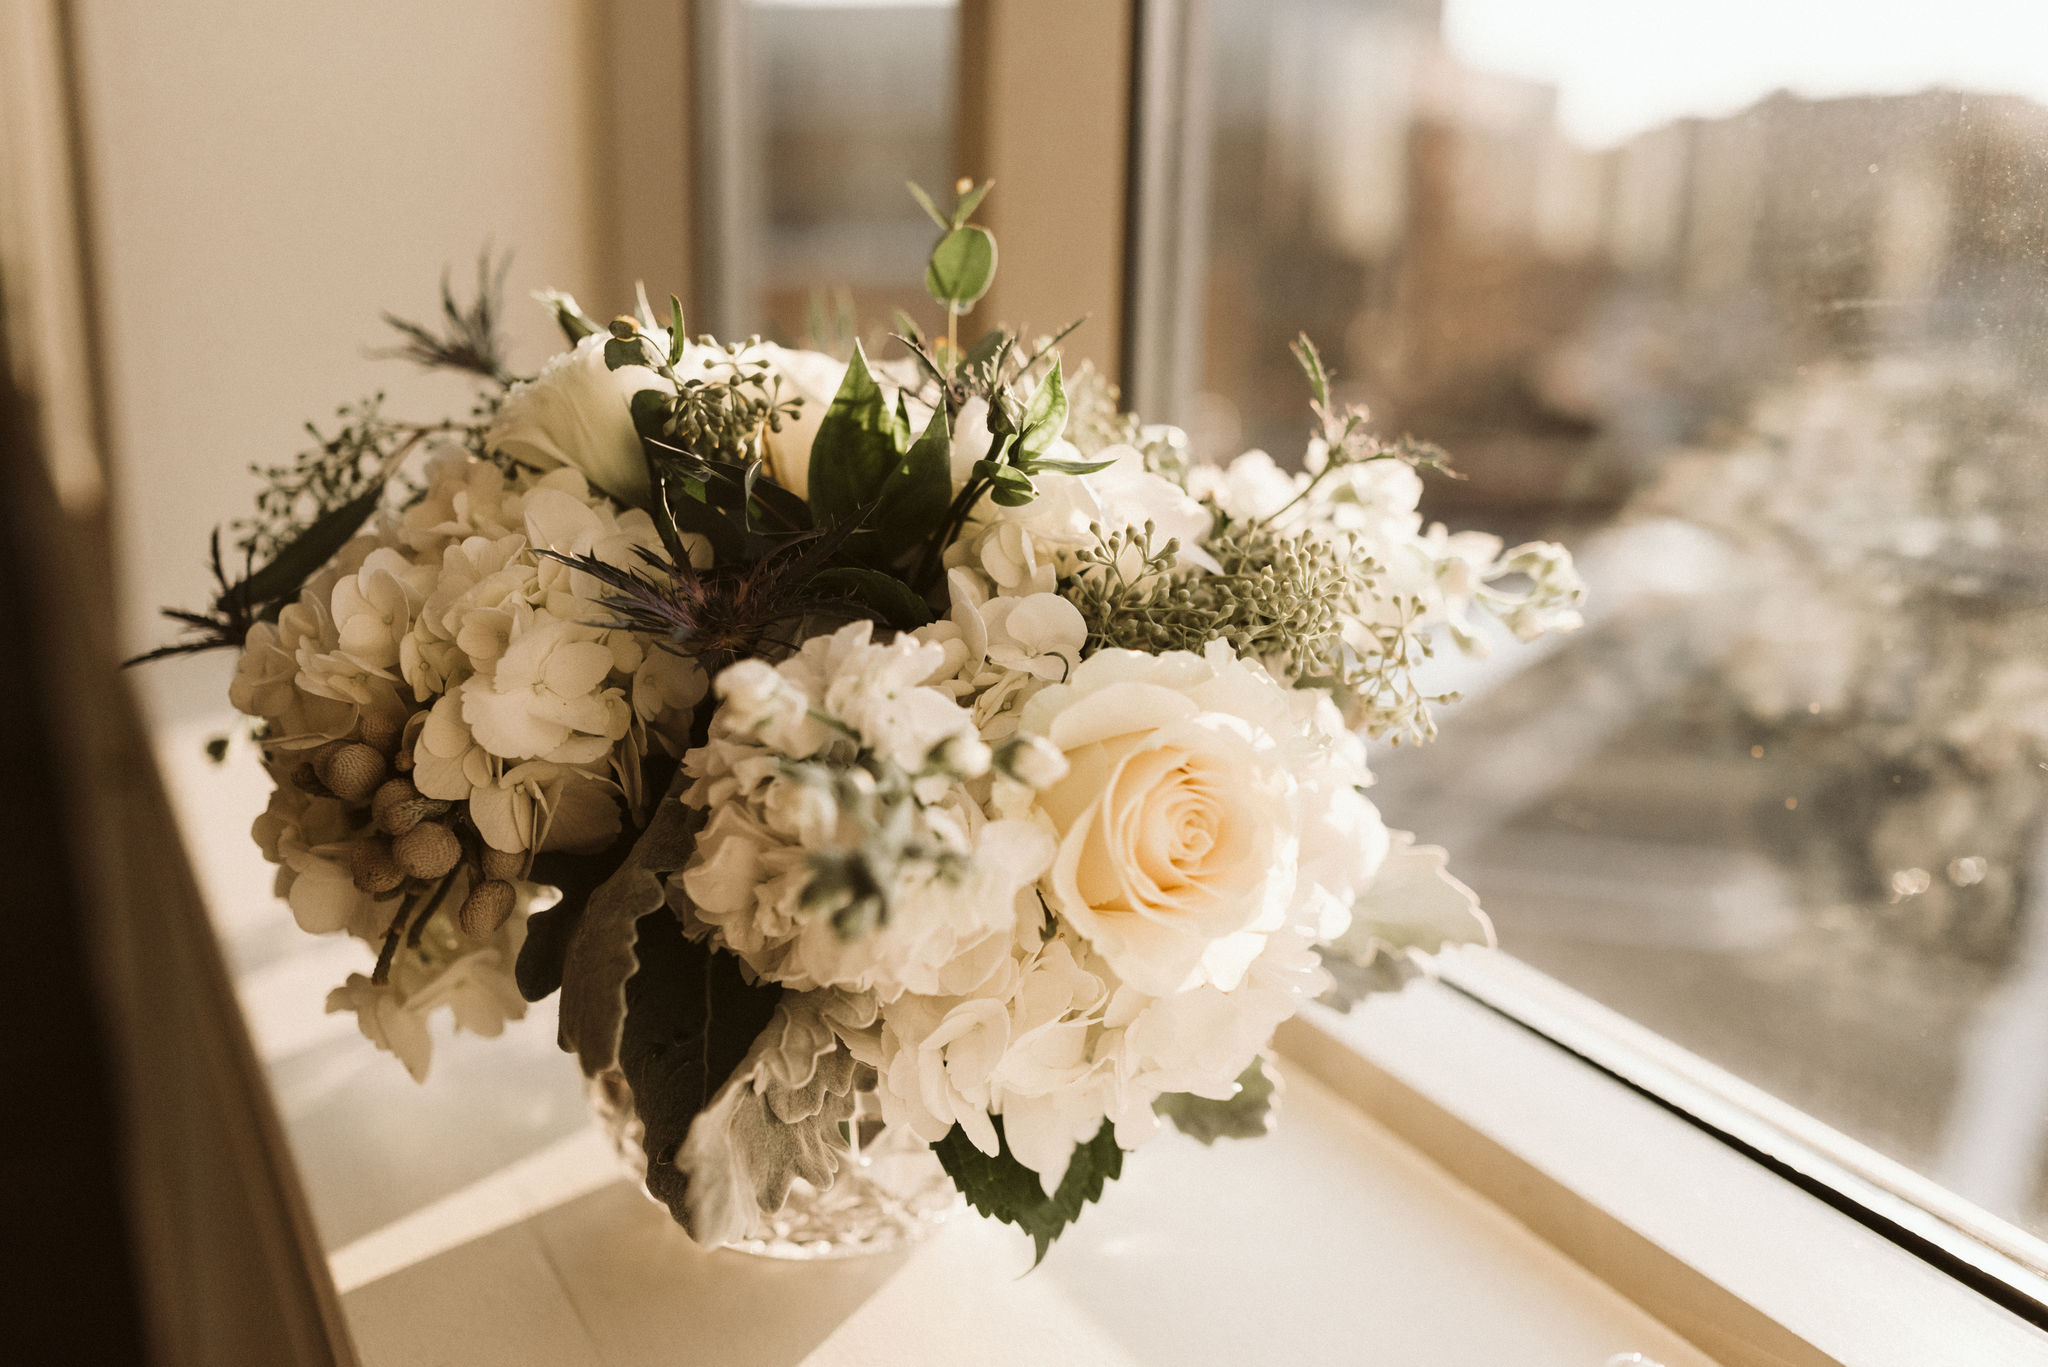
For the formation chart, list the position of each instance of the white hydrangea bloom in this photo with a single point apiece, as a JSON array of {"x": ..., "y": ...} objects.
[{"x": 473, "y": 981}]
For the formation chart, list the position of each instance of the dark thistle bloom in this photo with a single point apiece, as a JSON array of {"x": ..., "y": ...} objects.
[
  {"x": 226, "y": 624},
  {"x": 727, "y": 612},
  {"x": 469, "y": 339}
]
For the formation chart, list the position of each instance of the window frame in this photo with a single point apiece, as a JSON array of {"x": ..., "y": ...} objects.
[{"x": 1525, "y": 1014}]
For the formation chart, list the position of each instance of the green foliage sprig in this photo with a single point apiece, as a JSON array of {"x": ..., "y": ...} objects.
[{"x": 1004, "y": 1189}]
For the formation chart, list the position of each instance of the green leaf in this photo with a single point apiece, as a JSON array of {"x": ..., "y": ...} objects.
[
  {"x": 1045, "y": 417},
  {"x": 650, "y": 409},
  {"x": 1008, "y": 486},
  {"x": 599, "y": 953},
  {"x": 675, "y": 330},
  {"x": 969, "y": 202},
  {"x": 1311, "y": 362},
  {"x": 1004, "y": 1189},
  {"x": 924, "y": 202},
  {"x": 859, "y": 444},
  {"x": 691, "y": 1015},
  {"x": 888, "y": 596},
  {"x": 1247, "y": 1115},
  {"x": 962, "y": 267},
  {"x": 990, "y": 346},
  {"x": 914, "y": 497},
  {"x": 569, "y": 316},
  {"x": 621, "y": 352},
  {"x": 291, "y": 567}
]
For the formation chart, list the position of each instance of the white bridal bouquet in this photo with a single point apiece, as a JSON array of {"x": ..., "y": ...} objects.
[{"x": 922, "y": 732}]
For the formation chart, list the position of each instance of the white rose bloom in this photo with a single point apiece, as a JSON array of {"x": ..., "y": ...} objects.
[
  {"x": 1194, "y": 784},
  {"x": 814, "y": 378},
  {"x": 575, "y": 413},
  {"x": 1025, "y": 550}
]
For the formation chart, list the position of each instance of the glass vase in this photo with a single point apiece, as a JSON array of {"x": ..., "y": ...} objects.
[{"x": 890, "y": 1189}]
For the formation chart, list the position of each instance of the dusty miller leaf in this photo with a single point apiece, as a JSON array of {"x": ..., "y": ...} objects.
[
  {"x": 778, "y": 1117},
  {"x": 599, "y": 955},
  {"x": 691, "y": 1017},
  {"x": 1246, "y": 1115},
  {"x": 1004, "y": 1189}
]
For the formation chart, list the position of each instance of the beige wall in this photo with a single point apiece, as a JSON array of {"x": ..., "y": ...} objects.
[{"x": 267, "y": 176}]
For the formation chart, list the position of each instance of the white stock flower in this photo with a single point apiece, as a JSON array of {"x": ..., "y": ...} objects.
[
  {"x": 575, "y": 413},
  {"x": 795, "y": 751}
]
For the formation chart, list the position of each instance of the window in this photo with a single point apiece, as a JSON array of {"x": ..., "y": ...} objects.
[
  {"x": 1746, "y": 304},
  {"x": 821, "y": 110}
]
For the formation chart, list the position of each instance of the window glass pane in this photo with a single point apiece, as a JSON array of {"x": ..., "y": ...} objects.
[
  {"x": 849, "y": 100},
  {"x": 1744, "y": 301}
]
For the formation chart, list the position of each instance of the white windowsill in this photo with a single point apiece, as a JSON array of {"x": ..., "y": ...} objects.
[{"x": 1739, "y": 1260}]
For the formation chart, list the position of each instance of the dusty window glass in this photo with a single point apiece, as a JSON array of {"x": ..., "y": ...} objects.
[
  {"x": 1747, "y": 305},
  {"x": 846, "y": 101}
]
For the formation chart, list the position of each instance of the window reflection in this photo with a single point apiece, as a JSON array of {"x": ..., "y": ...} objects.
[
  {"x": 1764, "y": 343},
  {"x": 847, "y": 101}
]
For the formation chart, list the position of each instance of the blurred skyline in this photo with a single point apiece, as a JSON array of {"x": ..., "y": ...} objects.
[{"x": 1622, "y": 67}]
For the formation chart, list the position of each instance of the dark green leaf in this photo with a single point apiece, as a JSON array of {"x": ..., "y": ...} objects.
[
  {"x": 309, "y": 551},
  {"x": 650, "y": 409},
  {"x": 859, "y": 444},
  {"x": 675, "y": 330},
  {"x": 599, "y": 955},
  {"x": 915, "y": 496},
  {"x": 1247, "y": 1115},
  {"x": 962, "y": 267},
  {"x": 621, "y": 352},
  {"x": 888, "y": 596},
  {"x": 574, "y": 323},
  {"x": 1045, "y": 417},
  {"x": 690, "y": 1018},
  {"x": 1004, "y": 1189}
]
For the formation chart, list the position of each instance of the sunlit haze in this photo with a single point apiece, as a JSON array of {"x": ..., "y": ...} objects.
[{"x": 1625, "y": 65}]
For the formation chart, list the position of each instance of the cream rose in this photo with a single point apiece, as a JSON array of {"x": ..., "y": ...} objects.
[
  {"x": 576, "y": 413},
  {"x": 1177, "y": 819}
]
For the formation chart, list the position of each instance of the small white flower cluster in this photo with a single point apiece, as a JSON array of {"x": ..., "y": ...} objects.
[
  {"x": 1427, "y": 578},
  {"x": 435, "y": 711}
]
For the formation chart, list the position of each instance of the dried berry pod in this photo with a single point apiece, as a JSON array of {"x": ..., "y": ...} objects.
[
  {"x": 398, "y": 806},
  {"x": 428, "y": 850},
  {"x": 306, "y": 780},
  {"x": 395, "y": 808},
  {"x": 503, "y": 863},
  {"x": 353, "y": 772},
  {"x": 380, "y": 731},
  {"x": 371, "y": 863},
  {"x": 402, "y": 762},
  {"x": 488, "y": 906}
]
